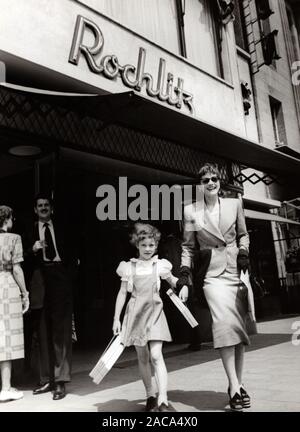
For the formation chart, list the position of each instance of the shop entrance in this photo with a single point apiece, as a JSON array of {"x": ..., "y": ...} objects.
[
  {"x": 264, "y": 267},
  {"x": 103, "y": 245},
  {"x": 73, "y": 178}
]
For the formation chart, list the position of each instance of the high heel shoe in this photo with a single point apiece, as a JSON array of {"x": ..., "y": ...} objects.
[
  {"x": 235, "y": 402},
  {"x": 246, "y": 400}
]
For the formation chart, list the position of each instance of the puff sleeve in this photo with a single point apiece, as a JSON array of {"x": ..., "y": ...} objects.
[
  {"x": 124, "y": 271},
  {"x": 164, "y": 268},
  {"x": 17, "y": 252}
]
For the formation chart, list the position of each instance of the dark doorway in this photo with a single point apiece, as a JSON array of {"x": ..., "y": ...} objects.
[{"x": 264, "y": 267}]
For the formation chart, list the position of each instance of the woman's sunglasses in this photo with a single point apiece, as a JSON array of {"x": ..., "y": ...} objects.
[{"x": 214, "y": 179}]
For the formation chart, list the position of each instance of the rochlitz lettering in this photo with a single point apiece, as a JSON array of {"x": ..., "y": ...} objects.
[
  {"x": 132, "y": 76},
  {"x": 118, "y": 422}
]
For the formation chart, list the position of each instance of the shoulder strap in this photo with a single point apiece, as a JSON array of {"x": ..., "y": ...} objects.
[
  {"x": 155, "y": 268},
  {"x": 133, "y": 268}
]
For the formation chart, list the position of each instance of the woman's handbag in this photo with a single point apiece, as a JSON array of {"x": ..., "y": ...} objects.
[
  {"x": 109, "y": 357},
  {"x": 250, "y": 321}
]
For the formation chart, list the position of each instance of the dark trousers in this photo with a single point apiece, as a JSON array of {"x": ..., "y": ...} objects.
[
  {"x": 55, "y": 329},
  {"x": 34, "y": 329}
]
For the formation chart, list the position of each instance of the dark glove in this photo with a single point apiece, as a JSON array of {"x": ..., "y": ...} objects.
[
  {"x": 185, "y": 278},
  {"x": 243, "y": 260}
]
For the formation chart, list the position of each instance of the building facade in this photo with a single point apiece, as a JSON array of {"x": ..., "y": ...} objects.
[
  {"x": 148, "y": 90},
  {"x": 267, "y": 34}
]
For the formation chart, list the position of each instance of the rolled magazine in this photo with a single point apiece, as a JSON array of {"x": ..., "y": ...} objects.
[
  {"x": 182, "y": 308},
  {"x": 109, "y": 357}
]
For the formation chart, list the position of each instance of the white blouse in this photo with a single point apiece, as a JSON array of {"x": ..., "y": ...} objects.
[
  {"x": 144, "y": 267},
  {"x": 215, "y": 214}
]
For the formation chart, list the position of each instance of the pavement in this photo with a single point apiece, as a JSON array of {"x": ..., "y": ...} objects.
[{"x": 197, "y": 381}]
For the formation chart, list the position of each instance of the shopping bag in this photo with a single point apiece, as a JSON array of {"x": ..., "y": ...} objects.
[
  {"x": 109, "y": 357},
  {"x": 182, "y": 308}
]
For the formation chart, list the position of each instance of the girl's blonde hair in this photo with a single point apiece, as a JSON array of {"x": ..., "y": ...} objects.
[
  {"x": 5, "y": 213},
  {"x": 144, "y": 231}
]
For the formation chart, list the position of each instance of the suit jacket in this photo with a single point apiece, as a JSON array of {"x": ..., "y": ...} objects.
[
  {"x": 33, "y": 261},
  {"x": 224, "y": 240}
]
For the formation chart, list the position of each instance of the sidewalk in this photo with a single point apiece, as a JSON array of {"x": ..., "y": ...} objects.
[{"x": 197, "y": 380}]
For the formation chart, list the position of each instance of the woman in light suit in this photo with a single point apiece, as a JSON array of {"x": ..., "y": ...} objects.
[{"x": 217, "y": 227}]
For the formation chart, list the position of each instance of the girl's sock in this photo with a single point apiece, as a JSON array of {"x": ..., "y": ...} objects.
[{"x": 150, "y": 392}]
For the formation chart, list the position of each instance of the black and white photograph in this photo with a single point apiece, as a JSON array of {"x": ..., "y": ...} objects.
[{"x": 149, "y": 209}]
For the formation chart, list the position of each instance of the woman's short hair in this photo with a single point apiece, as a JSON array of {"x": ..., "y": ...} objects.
[
  {"x": 5, "y": 213},
  {"x": 144, "y": 231},
  {"x": 209, "y": 168}
]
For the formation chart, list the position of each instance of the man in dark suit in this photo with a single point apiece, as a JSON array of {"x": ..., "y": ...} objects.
[{"x": 50, "y": 254}]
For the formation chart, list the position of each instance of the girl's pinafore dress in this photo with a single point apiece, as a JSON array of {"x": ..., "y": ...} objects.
[{"x": 144, "y": 318}]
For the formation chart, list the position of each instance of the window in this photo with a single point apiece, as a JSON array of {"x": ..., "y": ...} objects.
[
  {"x": 239, "y": 26},
  {"x": 263, "y": 9},
  {"x": 180, "y": 14},
  {"x": 186, "y": 27},
  {"x": 201, "y": 35},
  {"x": 268, "y": 37},
  {"x": 293, "y": 33},
  {"x": 278, "y": 122},
  {"x": 154, "y": 19}
]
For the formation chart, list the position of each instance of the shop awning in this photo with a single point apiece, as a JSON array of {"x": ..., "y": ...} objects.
[
  {"x": 288, "y": 151},
  {"x": 261, "y": 201},
  {"x": 252, "y": 214},
  {"x": 140, "y": 113}
]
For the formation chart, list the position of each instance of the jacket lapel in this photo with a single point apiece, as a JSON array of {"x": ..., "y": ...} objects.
[
  {"x": 36, "y": 234},
  {"x": 211, "y": 227},
  {"x": 199, "y": 215},
  {"x": 227, "y": 214},
  {"x": 58, "y": 239}
]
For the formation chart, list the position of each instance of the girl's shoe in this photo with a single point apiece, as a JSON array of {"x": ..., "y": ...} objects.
[
  {"x": 151, "y": 404},
  {"x": 236, "y": 402},
  {"x": 11, "y": 394},
  {"x": 245, "y": 398}
]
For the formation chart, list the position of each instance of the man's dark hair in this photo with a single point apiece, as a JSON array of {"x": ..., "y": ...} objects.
[{"x": 44, "y": 196}]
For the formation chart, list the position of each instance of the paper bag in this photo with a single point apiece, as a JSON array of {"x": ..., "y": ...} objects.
[{"x": 107, "y": 360}]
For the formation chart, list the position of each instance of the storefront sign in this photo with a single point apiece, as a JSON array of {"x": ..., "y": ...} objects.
[{"x": 132, "y": 76}]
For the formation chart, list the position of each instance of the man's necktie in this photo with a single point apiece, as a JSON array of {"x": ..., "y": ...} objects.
[{"x": 49, "y": 250}]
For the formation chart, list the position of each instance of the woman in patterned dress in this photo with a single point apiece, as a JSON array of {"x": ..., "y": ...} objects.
[
  {"x": 13, "y": 298},
  {"x": 145, "y": 325}
]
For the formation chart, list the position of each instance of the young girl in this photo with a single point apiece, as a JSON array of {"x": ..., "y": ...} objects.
[{"x": 145, "y": 325}]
